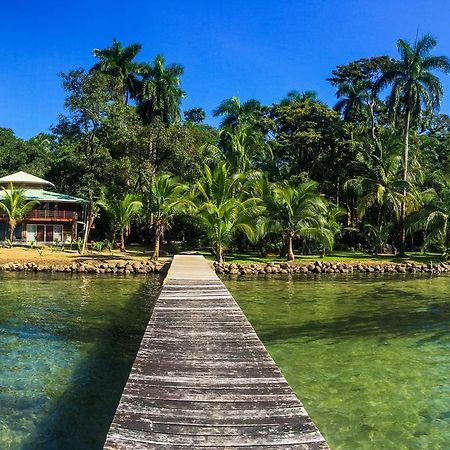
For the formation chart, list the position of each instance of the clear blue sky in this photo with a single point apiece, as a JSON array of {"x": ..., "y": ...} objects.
[{"x": 252, "y": 49}]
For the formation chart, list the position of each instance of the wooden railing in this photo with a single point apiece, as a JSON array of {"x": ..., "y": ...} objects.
[{"x": 46, "y": 214}]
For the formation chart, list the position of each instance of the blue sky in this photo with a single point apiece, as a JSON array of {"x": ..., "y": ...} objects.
[{"x": 252, "y": 49}]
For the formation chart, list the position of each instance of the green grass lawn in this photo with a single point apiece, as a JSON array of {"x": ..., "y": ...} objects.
[{"x": 348, "y": 257}]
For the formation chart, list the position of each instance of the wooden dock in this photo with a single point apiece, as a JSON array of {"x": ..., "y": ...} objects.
[{"x": 203, "y": 379}]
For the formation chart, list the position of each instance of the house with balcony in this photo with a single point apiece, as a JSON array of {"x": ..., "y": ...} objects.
[{"x": 56, "y": 218}]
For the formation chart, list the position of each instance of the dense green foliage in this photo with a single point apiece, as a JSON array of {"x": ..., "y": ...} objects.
[{"x": 367, "y": 174}]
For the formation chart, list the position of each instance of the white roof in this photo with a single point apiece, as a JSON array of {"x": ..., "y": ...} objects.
[{"x": 24, "y": 178}]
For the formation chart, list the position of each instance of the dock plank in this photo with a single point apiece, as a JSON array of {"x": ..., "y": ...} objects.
[{"x": 203, "y": 379}]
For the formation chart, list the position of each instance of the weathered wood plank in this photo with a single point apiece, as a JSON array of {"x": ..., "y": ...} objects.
[{"x": 203, "y": 379}]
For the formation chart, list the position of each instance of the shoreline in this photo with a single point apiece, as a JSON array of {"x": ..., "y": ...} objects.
[
  {"x": 146, "y": 265},
  {"x": 142, "y": 267},
  {"x": 326, "y": 267}
]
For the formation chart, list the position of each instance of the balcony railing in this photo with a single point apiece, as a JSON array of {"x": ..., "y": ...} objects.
[{"x": 46, "y": 214}]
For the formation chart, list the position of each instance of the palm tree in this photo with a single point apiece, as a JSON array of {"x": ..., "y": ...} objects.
[
  {"x": 352, "y": 101},
  {"x": 121, "y": 213},
  {"x": 117, "y": 61},
  {"x": 167, "y": 198},
  {"x": 296, "y": 97},
  {"x": 15, "y": 207},
  {"x": 224, "y": 207},
  {"x": 235, "y": 113},
  {"x": 161, "y": 94},
  {"x": 379, "y": 183},
  {"x": 414, "y": 90},
  {"x": 243, "y": 146},
  {"x": 378, "y": 236},
  {"x": 434, "y": 216},
  {"x": 298, "y": 209},
  {"x": 264, "y": 228},
  {"x": 331, "y": 226}
]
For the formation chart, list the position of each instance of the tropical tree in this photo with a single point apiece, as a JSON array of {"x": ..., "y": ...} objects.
[
  {"x": 378, "y": 236},
  {"x": 331, "y": 227},
  {"x": 118, "y": 62},
  {"x": 352, "y": 99},
  {"x": 379, "y": 183},
  {"x": 194, "y": 115},
  {"x": 434, "y": 216},
  {"x": 121, "y": 213},
  {"x": 244, "y": 147},
  {"x": 235, "y": 113},
  {"x": 224, "y": 206},
  {"x": 166, "y": 198},
  {"x": 298, "y": 209},
  {"x": 161, "y": 93},
  {"x": 357, "y": 90},
  {"x": 415, "y": 90},
  {"x": 15, "y": 206}
]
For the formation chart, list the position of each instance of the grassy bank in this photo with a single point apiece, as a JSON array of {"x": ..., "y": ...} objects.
[
  {"x": 342, "y": 257},
  {"x": 49, "y": 256}
]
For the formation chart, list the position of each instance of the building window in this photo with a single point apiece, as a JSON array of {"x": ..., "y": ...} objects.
[
  {"x": 57, "y": 233},
  {"x": 31, "y": 232},
  {"x": 44, "y": 233}
]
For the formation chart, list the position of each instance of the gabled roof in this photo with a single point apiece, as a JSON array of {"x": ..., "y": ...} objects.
[
  {"x": 25, "y": 179},
  {"x": 45, "y": 196}
]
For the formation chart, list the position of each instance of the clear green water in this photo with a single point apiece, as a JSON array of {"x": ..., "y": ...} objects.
[
  {"x": 368, "y": 356},
  {"x": 66, "y": 347}
]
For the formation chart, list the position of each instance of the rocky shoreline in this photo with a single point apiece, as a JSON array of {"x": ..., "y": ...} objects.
[
  {"x": 148, "y": 266},
  {"x": 119, "y": 268},
  {"x": 319, "y": 267}
]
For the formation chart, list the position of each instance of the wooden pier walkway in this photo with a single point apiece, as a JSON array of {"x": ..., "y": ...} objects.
[{"x": 203, "y": 379}]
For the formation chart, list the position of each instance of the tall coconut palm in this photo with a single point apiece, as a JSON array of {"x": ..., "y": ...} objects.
[
  {"x": 121, "y": 213},
  {"x": 166, "y": 198},
  {"x": 118, "y": 62},
  {"x": 243, "y": 147},
  {"x": 414, "y": 89},
  {"x": 224, "y": 207},
  {"x": 15, "y": 206},
  {"x": 298, "y": 208},
  {"x": 235, "y": 113},
  {"x": 161, "y": 93}
]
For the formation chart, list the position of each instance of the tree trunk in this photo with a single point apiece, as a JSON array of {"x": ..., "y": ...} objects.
[
  {"x": 158, "y": 234},
  {"x": 290, "y": 251},
  {"x": 262, "y": 248},
  {"x": 11, "y": 233},
  {"x": 89, "y": 224},
  {"x": 338, "y": 186},
  {"x": 372, "y": 119},
  {"x": 219, "y": 253},
  {"x": 405, "y": 178},
  {"x": 122, "y": 241}
]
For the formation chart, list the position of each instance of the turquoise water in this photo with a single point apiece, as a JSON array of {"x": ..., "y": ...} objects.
[
  {"x": 368, "y": 356},
  {"x": 66, "y": 347}
]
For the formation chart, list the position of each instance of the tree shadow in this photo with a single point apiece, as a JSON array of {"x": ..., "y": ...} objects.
[
  {"x": 428, "y": 322},
  {"x": 81, "y": 416}
]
